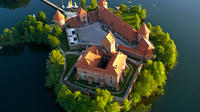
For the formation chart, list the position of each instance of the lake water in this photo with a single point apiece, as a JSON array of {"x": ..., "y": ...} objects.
[{"x": 22, "y": 76}]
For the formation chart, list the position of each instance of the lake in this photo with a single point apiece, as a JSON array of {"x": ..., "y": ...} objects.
[{"x": 22, "y": 73}]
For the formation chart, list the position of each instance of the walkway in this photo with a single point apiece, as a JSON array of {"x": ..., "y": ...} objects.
[
  {"x": 65, "y": 65},
  {"x": 54, "y": 6},
  {"x": 73, "y": 67},
  {"x": 67, "y": 13}
]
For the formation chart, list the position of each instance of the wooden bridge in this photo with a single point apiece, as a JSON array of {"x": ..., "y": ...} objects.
[
  {"x": 67, "y": 13},
  {"x": 54, "y": 6}
]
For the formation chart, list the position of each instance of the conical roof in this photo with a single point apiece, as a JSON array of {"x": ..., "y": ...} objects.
[
  {"x": 58, "y": 16},
  {"x": 80, "y": 11},
  {"x": 143, "y": 29}
]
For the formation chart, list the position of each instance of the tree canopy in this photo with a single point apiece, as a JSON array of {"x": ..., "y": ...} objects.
[
  {"x": 123, "y": 7},
  {"x": 93, "y": 4},
  {"x": 53, "y": 41},
  {"x": 83, "y": 3},
  {"x": 56, "y": 57},
  {"x": 41, "y": 16}
]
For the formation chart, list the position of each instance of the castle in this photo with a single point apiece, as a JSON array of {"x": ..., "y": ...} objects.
[
  {"x": 144, "y": 47},
  {"x": 102, "y": 64}
]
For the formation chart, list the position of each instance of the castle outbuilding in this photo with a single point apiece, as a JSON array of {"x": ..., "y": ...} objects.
[
  {"x": 102, "y": 64},
  {"x": 144, "y": 48},
  {"x": 82, "y": 14},
  {"x": 59, "y": 18}
]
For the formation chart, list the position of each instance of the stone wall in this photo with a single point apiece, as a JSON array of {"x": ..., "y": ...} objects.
[{"x": 109, "y": 79}]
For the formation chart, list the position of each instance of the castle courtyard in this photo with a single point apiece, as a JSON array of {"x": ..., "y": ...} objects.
[{"x": 92, "y": 33}]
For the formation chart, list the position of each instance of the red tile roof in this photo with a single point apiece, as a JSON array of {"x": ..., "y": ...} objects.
[
  {"x": 58, "y": 16},
  {"x": 131, "y": 50},
  {"x": 80, "y": 11},
  {"x": 143, "y": 29},
  {"x": 93, "y": 55},
  {"x": 93, "y": 16},
  {"x": 118, "y": 25},
  {"x": 108, "y": 40},
  {"x": 145, "y": 45},
  {"x": 74, "y": 22}
]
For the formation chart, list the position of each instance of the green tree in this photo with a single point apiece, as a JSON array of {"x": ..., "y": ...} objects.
[
  {"x": 83, "y": 3},
  {"x": 136, "y": 98},
  {"x": 113, "y": 107},
  {"x": 123, "y": 7},
  {"x": 126, "y": 106},
  {"x": 93, "y": 4},
  {"x": 75, "y": 102},
  {"x": 138, "y": 9},
  {"x": 41, "y": 16},
  {"x": 56, "y": 57},
  {"x": 142, "y": 108},
  {"x": 53, "y": 41},
  {"x": 57, "y": 31},
  {"x": 104, "y": 102},
  {"x": 165, "y": 48},
  {"x": 132, "y": 8},
  {"x": 53, "y": 77},
  {"x": 146, "y": 84},
  {"x": 118, "y": 12},
  {"x": 149, "y": 26},
  {"x": 143, "y": 14},
  {"x": 137, "y": 21},
  {"x": 157, "y": 69}
]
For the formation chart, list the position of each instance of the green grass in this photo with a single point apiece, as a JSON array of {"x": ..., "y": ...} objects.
[
  {"x": 64, "y": 42},
  {"x": 125, "y": 78},
  {"x": 71, "y": 59},
  {"x": 130, "y": 18}
]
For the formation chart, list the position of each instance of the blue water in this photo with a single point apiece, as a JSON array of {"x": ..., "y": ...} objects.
[{"x": 22, "y": 77}]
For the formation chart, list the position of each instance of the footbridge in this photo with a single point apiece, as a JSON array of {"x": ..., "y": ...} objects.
[{"x": 67, "y": 13}]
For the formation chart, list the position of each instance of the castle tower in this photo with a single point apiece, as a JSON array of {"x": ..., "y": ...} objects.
[
  {"x": 59, "y": 18},
  {"x": 102, "y": 3},
  {"x": 82, "y": 14},
  {"x": 109, "y": 43},
  {"x": 143, "y": 32}
]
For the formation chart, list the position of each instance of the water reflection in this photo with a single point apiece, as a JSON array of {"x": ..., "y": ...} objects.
[
  {"x": 13, "y": 4},
  {"x": 9, "y": 51}
]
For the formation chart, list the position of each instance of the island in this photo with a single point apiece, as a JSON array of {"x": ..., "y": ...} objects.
[{"x": 101, "y": 59}]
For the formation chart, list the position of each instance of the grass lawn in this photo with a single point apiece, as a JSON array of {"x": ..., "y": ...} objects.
[
  {"x": 64, "y": 42},
  {"x": 130, "y": 18},
  {"x": 71, "y": 59},
  {"x": 127, "y": 71}
]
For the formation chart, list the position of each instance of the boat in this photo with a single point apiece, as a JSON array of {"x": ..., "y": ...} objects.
[
  {"x": 70, "y": 5},
  {"x": 75, "y": 5},
  {"x": 63, "y": 6}
]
